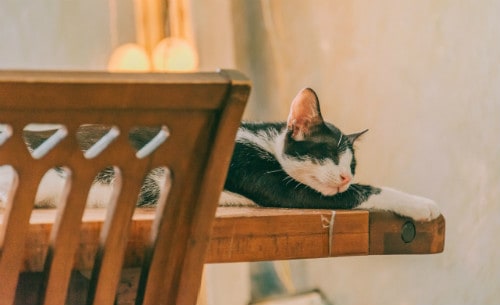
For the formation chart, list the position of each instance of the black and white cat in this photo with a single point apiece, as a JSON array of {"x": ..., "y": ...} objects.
[
  {"x": 302, "y": 163},
  {"x": 308, "y": 163}
]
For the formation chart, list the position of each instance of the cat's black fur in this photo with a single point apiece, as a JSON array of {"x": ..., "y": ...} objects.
[{"x": 256, "y": 173}]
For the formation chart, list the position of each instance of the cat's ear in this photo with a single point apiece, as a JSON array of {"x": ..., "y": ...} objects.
[
  {"x": 304, "y": 114},
  {"x": 353, "y": 137}
]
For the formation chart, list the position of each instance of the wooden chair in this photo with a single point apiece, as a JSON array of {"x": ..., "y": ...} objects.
[
  {"x": 201, "y": 111},
  {"x": 170, "y": 243}
]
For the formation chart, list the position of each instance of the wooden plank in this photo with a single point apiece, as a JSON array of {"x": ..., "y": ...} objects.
[
  {"x": 113, "y": 91},
  {"x": 255, "y": 234},
  {"x": 13, "y": 233},
  {"x": 203, "y": 214},
  {"x": 63, "y": 244},
  {"x": 350, "y": 233},
  {"x": 113, "y": 238},
  {"x": 252, "y": 234},
  {"x": 391, "y": 234}
]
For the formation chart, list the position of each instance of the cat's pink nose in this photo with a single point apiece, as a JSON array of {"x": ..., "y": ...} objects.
[{"x": 345, "y": 179}]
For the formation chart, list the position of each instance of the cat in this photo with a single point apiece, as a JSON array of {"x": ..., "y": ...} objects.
[{"x": 304, "y": 162}]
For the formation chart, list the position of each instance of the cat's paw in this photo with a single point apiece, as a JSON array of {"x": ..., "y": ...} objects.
[
  {"x": 404, "y": 204},
  {"x": 421, "y": 209},
  {"x": 230, "y": 199}
]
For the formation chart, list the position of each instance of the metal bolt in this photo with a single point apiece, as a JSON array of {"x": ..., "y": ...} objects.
[{"x": 408, "y": 232}]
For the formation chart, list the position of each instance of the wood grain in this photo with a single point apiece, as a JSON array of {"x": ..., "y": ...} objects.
[
  {"x": 195, "y": 153},
  {"x": 256, "y": 234},
  {"x": 386, "y": 231}
]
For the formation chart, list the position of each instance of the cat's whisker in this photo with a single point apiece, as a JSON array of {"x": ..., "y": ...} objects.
[
  {"x": 274, "y": 171},
  {"x": 300, "y": 184},
  {"x": 287, "y": 180}
]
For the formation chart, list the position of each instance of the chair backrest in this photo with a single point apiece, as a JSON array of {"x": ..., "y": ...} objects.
[{"x": 201, "y": 112}]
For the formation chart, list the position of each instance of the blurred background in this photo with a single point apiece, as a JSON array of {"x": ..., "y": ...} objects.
[{"x": 423, "y": 76}]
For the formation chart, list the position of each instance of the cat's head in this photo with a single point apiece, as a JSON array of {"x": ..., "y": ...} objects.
[{"x": 314, "y": 152}]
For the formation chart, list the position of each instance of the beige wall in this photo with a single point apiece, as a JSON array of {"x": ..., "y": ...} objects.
[
  {"x": 62, "y": 34},
  {"x": 422, "y": 75}
]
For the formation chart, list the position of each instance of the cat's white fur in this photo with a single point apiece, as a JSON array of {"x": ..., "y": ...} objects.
[
  {"x": 416, "y": 207},
  {"x": 99, "y": 195},
  {"x": 228, "y": 198},
  {"x": 325, "y": 178},
  {"x": 267, "y": 141},
  {"x": 52, "y": 186},
  {"x": 7, "y": 177},
  {"x": 51, "y": 189}
]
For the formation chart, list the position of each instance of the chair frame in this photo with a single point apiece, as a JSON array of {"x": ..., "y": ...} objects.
[{"x": 202, "y": 111}]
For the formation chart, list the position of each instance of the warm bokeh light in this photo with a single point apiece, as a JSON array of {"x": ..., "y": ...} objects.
[
  {"x": 129, "y": 57},
  {"x": 174, "y": 55}
]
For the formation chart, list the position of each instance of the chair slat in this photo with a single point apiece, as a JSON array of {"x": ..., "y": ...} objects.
[
  {"x": 173, "y": 271},
  {"x": 64, "y": 240},
  {"x": 201, "y": 111},
  {"x": 109, "y": 259},
  {"x": 15, "y": 225}
]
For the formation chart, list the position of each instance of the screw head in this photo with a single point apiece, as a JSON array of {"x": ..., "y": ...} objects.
[{"x": 408, "y": 232}]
